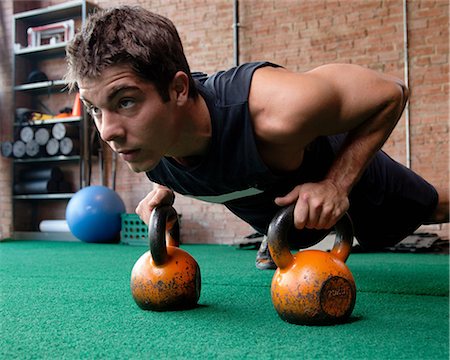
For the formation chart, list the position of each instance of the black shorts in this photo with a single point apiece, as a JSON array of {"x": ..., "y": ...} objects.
[{"x": 389, "y": 202}]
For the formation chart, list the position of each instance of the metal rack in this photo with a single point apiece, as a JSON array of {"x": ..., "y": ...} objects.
[{"x": 32, "y": 57}]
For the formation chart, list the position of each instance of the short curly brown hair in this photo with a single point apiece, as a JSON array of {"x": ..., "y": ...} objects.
[{"x": 132, "y": 35}]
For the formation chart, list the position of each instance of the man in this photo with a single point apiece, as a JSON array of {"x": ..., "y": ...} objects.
[{"x": 255, "y": 138}]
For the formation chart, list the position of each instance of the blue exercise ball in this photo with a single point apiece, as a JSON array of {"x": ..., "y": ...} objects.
[{"x": 93, "y": 215}]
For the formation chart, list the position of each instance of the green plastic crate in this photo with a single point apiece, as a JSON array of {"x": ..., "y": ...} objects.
[{"x": 134, "y": 230}]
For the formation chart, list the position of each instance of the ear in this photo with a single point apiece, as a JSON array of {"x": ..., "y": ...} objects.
[{"x": 179, "y": 87}]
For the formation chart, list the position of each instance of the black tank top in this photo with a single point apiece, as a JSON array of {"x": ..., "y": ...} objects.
[{"x": 232, "y": 172}]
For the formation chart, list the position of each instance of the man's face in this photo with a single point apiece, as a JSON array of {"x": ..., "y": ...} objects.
[{"x": 130, "y": 116}]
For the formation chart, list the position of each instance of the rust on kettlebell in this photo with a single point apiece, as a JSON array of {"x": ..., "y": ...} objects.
[
  {"x": 166, "y": 277},
  {"x": 332, "y": 304},
  {"x": 337, "y": 297},
  {"x": 178, "y": 289},
  {"x": 311, "y": 287}
]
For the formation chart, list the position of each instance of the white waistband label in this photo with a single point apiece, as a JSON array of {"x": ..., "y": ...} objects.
[{"x": 220, "y": 199}]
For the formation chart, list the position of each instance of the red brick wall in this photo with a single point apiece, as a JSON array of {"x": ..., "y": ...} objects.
[
  {"x": 301, "y": 35},
  {"x": 6, "y": 11},
  {"x": 429, "y": 82}
]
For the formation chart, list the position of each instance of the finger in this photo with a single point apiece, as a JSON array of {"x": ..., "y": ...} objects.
[
  {"x": 156, "y": 200},
  {"x": 326, "y": 219},
  {"x": 169, "y": 198},
  {"x": 144, "y": 213},
  {"x": 301, "y": 211},
  {"x": 163, "y": 197},
  {"x": 145, "y": 207},
  {"x": 289, "y": 198},
  {"x": 333, "y": 215},
  {"x": 315, "y": 209}
]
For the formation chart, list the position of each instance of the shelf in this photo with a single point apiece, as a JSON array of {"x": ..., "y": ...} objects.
[
  {"x": 42, "y": 86},
  {"x": 55, "y": 13},
  {"x": 56, "y": 92},
  {"x": 60, "y": 196},
  {"x": 45, "y": 236},
  {"x": 48, "y": 159},
  {"x": 46, "y": 51},
  {"x": 68, "y": 119}
]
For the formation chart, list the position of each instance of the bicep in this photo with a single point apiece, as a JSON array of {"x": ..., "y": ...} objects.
[
  {"x": 355, "y": 95},
  {"x": 328, "y": 100}
]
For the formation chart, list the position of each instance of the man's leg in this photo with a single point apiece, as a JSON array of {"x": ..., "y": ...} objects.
[
  {"x": 441, "y": 214},
  {"x": 389, "y": 203}
]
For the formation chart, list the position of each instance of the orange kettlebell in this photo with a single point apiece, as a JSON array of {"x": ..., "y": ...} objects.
[
  {"x": 312, "y": 287},
  {"x": 166, "y": 277}
]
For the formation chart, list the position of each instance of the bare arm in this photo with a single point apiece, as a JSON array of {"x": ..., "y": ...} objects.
[
  {"x": 291, "y": 110},
  {"x": 369, "y": 106}
]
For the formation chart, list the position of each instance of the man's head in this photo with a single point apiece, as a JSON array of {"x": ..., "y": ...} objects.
[{"x": 147, "y": 42}]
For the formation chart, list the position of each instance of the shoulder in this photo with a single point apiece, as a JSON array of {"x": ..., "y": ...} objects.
[
  {"x": 233, "y": 85},
  {"x": 322, "y": 101},
  {"x": 282, "y": 103}
]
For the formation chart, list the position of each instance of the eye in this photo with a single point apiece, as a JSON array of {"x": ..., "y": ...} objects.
[
  {"x": 94, "y": 111},
  {"x": 126, "y": 103}
]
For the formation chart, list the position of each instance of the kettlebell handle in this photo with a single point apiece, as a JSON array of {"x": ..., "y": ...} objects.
[
  {"x": 279, "y": 230},
  {"x": 159, "y": 218}
]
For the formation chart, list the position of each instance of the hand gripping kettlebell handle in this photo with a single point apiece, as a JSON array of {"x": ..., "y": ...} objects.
[
  {"x": 279, "y": 230},
  {"x": 157, "y": 232}
]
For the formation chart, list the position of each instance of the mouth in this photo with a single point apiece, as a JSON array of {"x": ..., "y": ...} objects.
[{"x": 129, "y": 155}]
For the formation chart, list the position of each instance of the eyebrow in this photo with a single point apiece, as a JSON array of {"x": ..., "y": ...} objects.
[
  {"x": 114, "y": 92},
  {"x": 118, "y": 89}
]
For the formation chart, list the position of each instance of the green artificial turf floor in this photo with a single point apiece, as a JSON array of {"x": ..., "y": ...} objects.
[{"x": 72, "y": 300}]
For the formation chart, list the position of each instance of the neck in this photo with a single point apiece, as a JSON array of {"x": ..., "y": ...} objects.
[
  {"x": 188, "y": 161},
  {"x": 195, "y": 133}
]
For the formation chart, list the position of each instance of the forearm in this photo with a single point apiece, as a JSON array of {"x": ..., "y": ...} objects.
[
  {"x": 333, "y": 99},
  {"x": 364, "y": 141}
]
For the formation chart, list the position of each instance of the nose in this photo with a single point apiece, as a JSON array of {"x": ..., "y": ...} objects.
[{"x": 110, "y": 127}]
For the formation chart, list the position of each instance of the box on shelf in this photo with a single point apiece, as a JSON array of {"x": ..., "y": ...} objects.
[{"x": 51, "y": 34}]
